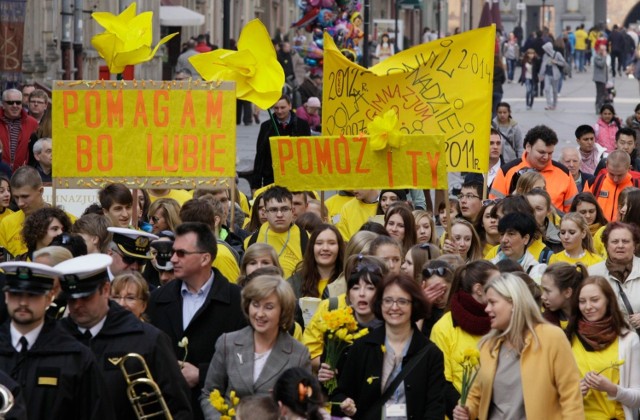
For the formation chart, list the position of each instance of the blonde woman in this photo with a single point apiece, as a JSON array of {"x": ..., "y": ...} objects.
[
  {"x": 425, "y": 227},
  {"x": 464, "y": 241},
  {"x": 528, "y": 181},
  {"x": 164, "y": 214},
  {"x": 527, "y": 369},
  {"x": 577, "y": 242}
]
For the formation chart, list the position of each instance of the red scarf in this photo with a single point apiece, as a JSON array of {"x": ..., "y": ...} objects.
[
  {"x": 597, "y": 334},
  {"x": 469, "y": 314}
]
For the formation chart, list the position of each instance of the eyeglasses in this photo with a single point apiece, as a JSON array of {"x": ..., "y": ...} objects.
[
  {"x": 12, "y": 102},
  {"x": 276, "y": 210},
  {"x": 401, "y": 302},
  {"x": 430, "y": 272},
  {"x": 467, "y": 197},
  {"x": 487, "y": 203},
  {"x": 180, "y": 253},
  {"x": 128, "y": 299},
  {"x": 37, "y": 102},
  {"x": 526, "y": 170}
]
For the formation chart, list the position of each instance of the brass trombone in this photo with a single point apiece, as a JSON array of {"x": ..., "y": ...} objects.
[
  {"x": 143, "y": 392},
  {"x": 6, "y": 401}
]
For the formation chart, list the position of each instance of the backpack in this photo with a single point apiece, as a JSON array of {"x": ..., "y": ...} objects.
[{"x": 304, "y": 240}]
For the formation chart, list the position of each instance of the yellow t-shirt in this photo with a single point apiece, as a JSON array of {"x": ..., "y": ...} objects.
[
  {"x": 313, "y": 336},
  {"x": 534, "y": 249},
  {"x": 597, "y": 405},
  {"x": 286, "y": 244},
  {"x": 226, "y": 262},
  {"x": 244, "y": 202},
  {"x": 179, "y": 195},
  {"x": 598, "y": 245},
  {"x": 322, "y": 284},
  {"x": 587, "y": 259},
  {"x": 5, "y": 213},
  {"x": 353, "y": 215},
  {"x": 334, "y": 205},
  {"x": 452, "y": 341}
]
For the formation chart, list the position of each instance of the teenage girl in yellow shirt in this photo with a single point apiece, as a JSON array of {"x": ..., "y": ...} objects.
[{"x": 559, "y": 283}]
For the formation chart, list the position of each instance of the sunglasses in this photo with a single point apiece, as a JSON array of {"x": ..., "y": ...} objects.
[
  {"x": 13, "y": 102},
  {"x": 154, "y": 219},
  {"x": 181, "y": 253},
  {"x": 487, "y": 203},
  {"x": 363, "y": 267},
  {"x": 427, "y": 247},
  {"x": 430, "y": 272},
  {"x": 62, "y": 239}
]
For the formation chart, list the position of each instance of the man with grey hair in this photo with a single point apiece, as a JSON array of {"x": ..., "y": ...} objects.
[
  {"x": 571, "y": 159},
  {"x": 42, "y": 153},
  {"x": 16, "y": 127}
]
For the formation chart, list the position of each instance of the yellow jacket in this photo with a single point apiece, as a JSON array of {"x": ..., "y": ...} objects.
[
  {"x": 550, "y": 378},
  {"x": 452, "y": 341}
]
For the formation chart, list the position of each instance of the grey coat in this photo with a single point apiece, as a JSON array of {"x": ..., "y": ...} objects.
[
  {"x": 555, "y": 59},
  {"x": 600, "y": 70},
  {"x": 231, "y": 368}
]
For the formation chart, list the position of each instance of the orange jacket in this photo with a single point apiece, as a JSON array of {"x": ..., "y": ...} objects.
[
  {"x": 560, "y": 185},
  {"x": 607, "y": 193}
]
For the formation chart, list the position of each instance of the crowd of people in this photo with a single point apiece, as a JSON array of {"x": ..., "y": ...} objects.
[{"x": 229, "y": 300}]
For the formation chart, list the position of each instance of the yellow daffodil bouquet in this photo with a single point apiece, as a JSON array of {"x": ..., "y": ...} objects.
[
  {"x": 470, "y": 366},
  {"x": 341, "y": 329},
  {"x": 227, "y": 410}
]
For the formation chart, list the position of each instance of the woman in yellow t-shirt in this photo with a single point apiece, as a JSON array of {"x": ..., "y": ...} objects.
[
  {"x": 559, "y": 283},
  {"x": 607, "y": 352},
  {"x": 321, "y": 263},
  {"x": 577, "y": 242}
]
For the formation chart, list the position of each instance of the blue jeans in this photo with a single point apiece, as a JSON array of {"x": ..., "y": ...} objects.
[
  {"x": 528, "y": 84},
  {"x": 511, "y": 67},
  {"x": 580, "y": 59}
]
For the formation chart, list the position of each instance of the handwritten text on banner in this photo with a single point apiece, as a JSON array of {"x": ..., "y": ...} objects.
[
  {"x": 442, "y": 87},
  {"x": 347, "y": 162}
]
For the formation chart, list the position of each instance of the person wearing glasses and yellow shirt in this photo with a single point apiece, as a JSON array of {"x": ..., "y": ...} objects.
[{"x": 279, "y": 231}]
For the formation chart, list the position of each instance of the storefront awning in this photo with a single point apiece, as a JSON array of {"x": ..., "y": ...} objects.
[{"x": 179, "y": 16}]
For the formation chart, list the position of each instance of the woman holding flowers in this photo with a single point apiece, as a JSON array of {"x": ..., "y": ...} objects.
[
  {"x": 607, "y": 352},
  {"x": 527, "y": 369},
  {"x": 394, "y": 370},
  {"x": 250, "y": 360},
  {"x": 364, "y": 274}
]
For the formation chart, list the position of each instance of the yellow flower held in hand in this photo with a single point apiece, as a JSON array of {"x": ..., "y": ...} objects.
[
  {"x": 370, "y": 379},
  {"x": 254, "y": 67},
  {"x": 127, "y": 38}
]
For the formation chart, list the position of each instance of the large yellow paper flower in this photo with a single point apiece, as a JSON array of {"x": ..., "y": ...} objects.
[
  {"x": 384, "y": 131},
  {"x": 254, "y": 67},
  {"x": 127, "y": 38}
]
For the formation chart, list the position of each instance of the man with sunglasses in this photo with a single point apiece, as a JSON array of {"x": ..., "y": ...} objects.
[
  {"x": 16, "y": 128},
  {"x": 129, "y": 249},
  {"x": 199, "y": 305},
  {"x": 112, "y": 332}
]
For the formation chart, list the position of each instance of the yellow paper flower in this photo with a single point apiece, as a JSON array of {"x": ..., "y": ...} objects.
[
  {"x": 184, "y": 342},
  {"x": 254, "y": 67},
  {"x": 384, "y": 132},
  {"x": 383, "y": 348},
  {"x": 370, "y": 379},
  {"x": 127, "y": 38}
]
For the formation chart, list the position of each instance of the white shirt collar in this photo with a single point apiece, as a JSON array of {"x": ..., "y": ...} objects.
[
  {"x": 95, "y": 329},
  {"x": 31, "y": 336}
]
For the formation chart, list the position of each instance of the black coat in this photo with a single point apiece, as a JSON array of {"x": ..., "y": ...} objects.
[
  {"x": 123, "y": 333},
  {"x": 424, "y": 385},
  {"x": 262, "y": 164},
  {"x": 220, "y": 313},
  {"x": 60, "y": 378},
  {"x": 19, "y": 409}
]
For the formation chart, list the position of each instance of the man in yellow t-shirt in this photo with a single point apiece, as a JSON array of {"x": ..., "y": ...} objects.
[
  {"x": 581, "y": 47},
  {"x": 357, "y": 212},
  {"x": 280, "y": 231}
]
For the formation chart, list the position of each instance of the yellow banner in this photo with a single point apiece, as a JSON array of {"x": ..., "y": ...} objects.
[
  {"x": 442, "y": 87},
  {"x": 347, "y": 162},
  {"x": 153, "y": 132}
]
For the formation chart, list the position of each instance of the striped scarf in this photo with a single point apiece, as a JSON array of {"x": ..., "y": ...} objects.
[{"x": 13, "y": 127}]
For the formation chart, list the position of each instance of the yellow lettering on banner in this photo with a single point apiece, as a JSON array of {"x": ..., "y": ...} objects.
[
  {"x": 321, "y": 163},
  {"x": 443, "y": 87},
  {"x": 145, "y": 132}
]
